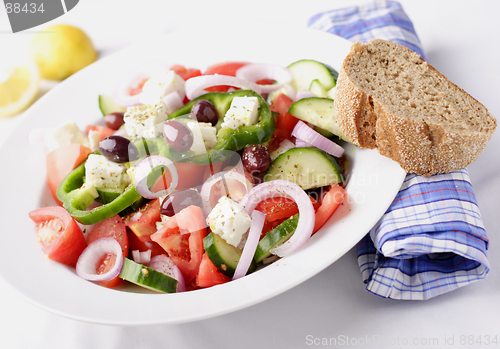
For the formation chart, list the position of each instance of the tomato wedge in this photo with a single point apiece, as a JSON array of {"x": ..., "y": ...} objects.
[
  {"x": 62, "y": 161},
  {"x": 185, "y": 73},
  {"x": 113, "y": 227},
  {"x": 61, "y": 238},
  {"x": 277, "y": 210},
  {"x": 209, "y": 275},
  {"x": 331, "y": 201},
  {"x": 142, "y": 246},
  {"x": 103, "y": 266},
  {"x": 143, "y": 222},
  {"x": 103, "y": 131},
  {"x": 281, "y": 105},
  {"x": 224, "y": 68},
  {"x": 185, "y": 250},
  {"x": 137, "y": 88},
  {"x": 190, "y": 176}
]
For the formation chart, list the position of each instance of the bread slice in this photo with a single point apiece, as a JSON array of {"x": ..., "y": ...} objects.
[{"x": 390, "y": 98}]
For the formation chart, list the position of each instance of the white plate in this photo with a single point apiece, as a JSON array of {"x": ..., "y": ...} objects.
[{"x": 373, "y": 183}]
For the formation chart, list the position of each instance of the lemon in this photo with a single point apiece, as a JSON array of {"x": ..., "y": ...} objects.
[
  {"x": 18, "y": 88},
  {"x": 61, "y": 50}
]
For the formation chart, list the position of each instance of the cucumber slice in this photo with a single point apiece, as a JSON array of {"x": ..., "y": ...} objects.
[
  {"x": 317, "y": 88},
  {"x": 307, "y": 70},
  {"x": 324, "y": 132},
  {"x": 107, "y": 106},
  {"x": 275, "y": 237},
  {"x": 306, "y": 167},
  {"x": 331, "y": 93},
  {"x": 146, "y": 277},
  {"x": 319, "y": 112},
  {"x": 224, "y": 256}
]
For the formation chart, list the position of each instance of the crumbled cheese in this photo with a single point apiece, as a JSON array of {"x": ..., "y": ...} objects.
[
  {"x": 145, "y": 120},
  {"x": 65, "y": 135},
  {"x": 204, "y": 136},
  {"x": 161, "y": 85},
  {"x": 228, "y": 220},
  {"x": 94, "y": 139},
  {"x": 244, "y": 111},
  {"x": 103, "y": 173}
]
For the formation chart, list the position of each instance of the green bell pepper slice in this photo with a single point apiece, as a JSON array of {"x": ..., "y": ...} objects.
[
  {"x": 228, "y": 140},
  {"x": 76, "y": 197}
]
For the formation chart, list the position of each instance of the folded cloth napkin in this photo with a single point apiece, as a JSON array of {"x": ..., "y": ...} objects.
[{"x": 431, "y": 240}]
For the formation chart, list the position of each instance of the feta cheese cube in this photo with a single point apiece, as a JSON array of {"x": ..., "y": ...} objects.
[
  {"x": 228, "y": 220},
  {"x": 65, "y": 135},
  {"x": 204, "y": 136},
  {"x": 161, "y": 85},
  {"x": 145, "y": 120},
  {"x": 103, "y": 173},
  {"x": 94, "y": 139},
  {"x": 244, "y": 111}
]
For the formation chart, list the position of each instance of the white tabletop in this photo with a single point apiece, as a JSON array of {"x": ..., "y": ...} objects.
[{"x": 332, "y": 309}]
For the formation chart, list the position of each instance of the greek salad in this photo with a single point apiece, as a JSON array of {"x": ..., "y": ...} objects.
[{"x": 194, "y": 179}]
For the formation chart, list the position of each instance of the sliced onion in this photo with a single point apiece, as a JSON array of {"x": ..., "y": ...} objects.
[
  {"x": 303, "y": 94},
  {"x": 121, "y": 132},
  {"x": 196, "y": 86},
  {"x": 307, "y": 134},
  {"x": 282, "y": 188},
  {"x": 284, "y": 146},
  {"x": 87, "y": 262},
  {"x": 206, "y": 188},
  {"x": 141, "y": 257},
  {"x": 259, "y": 71},
  {"x": 172, "y": 101},
  {"x": 290, "y": 91},
  {"x": 163, "y": 264},
  {"x": 253, "y": 238},
  {"x": 299, "y": 143},
  {"x": 121, "y": 94},
  {"x": 144, "y": 168}
]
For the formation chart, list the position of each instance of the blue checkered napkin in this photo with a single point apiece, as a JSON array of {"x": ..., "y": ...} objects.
[{"x": 431, "y": 240}]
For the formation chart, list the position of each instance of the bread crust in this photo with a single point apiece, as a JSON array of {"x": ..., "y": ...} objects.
[{"x": 420, "y": 146}]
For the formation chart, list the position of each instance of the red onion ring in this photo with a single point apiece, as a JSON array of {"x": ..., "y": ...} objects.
[
  {"x": 121, "y": 132},
  {"x": 284, "y": 146},
  {"x": 87, "y": 262},
  {"x": 212, "y": 180},
  {"x": 299, "y": 143},
  {"x": 259, "y": 71},
  {"x": 121, "y": 95},
  {"x": 163, "y": 264},
  {"x": 282, "y": 188},
  {"x": 141, "y": 257},
  {"x": 196, "y": 86},
  {"x": 307, "y": 134},
  {"x": 258, "y": 219},
  {"x": 172, "y": 101},
  {"x": 290, "y": 91},
  {"x": 144, "y": 168},
  {"x": 303, "y": 94}
]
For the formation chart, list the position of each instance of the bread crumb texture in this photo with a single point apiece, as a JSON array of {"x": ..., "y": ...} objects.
[{"x": 390, "y": 98}]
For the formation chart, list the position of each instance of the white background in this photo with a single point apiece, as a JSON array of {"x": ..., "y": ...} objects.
[{"x": 460, "y": 38}]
